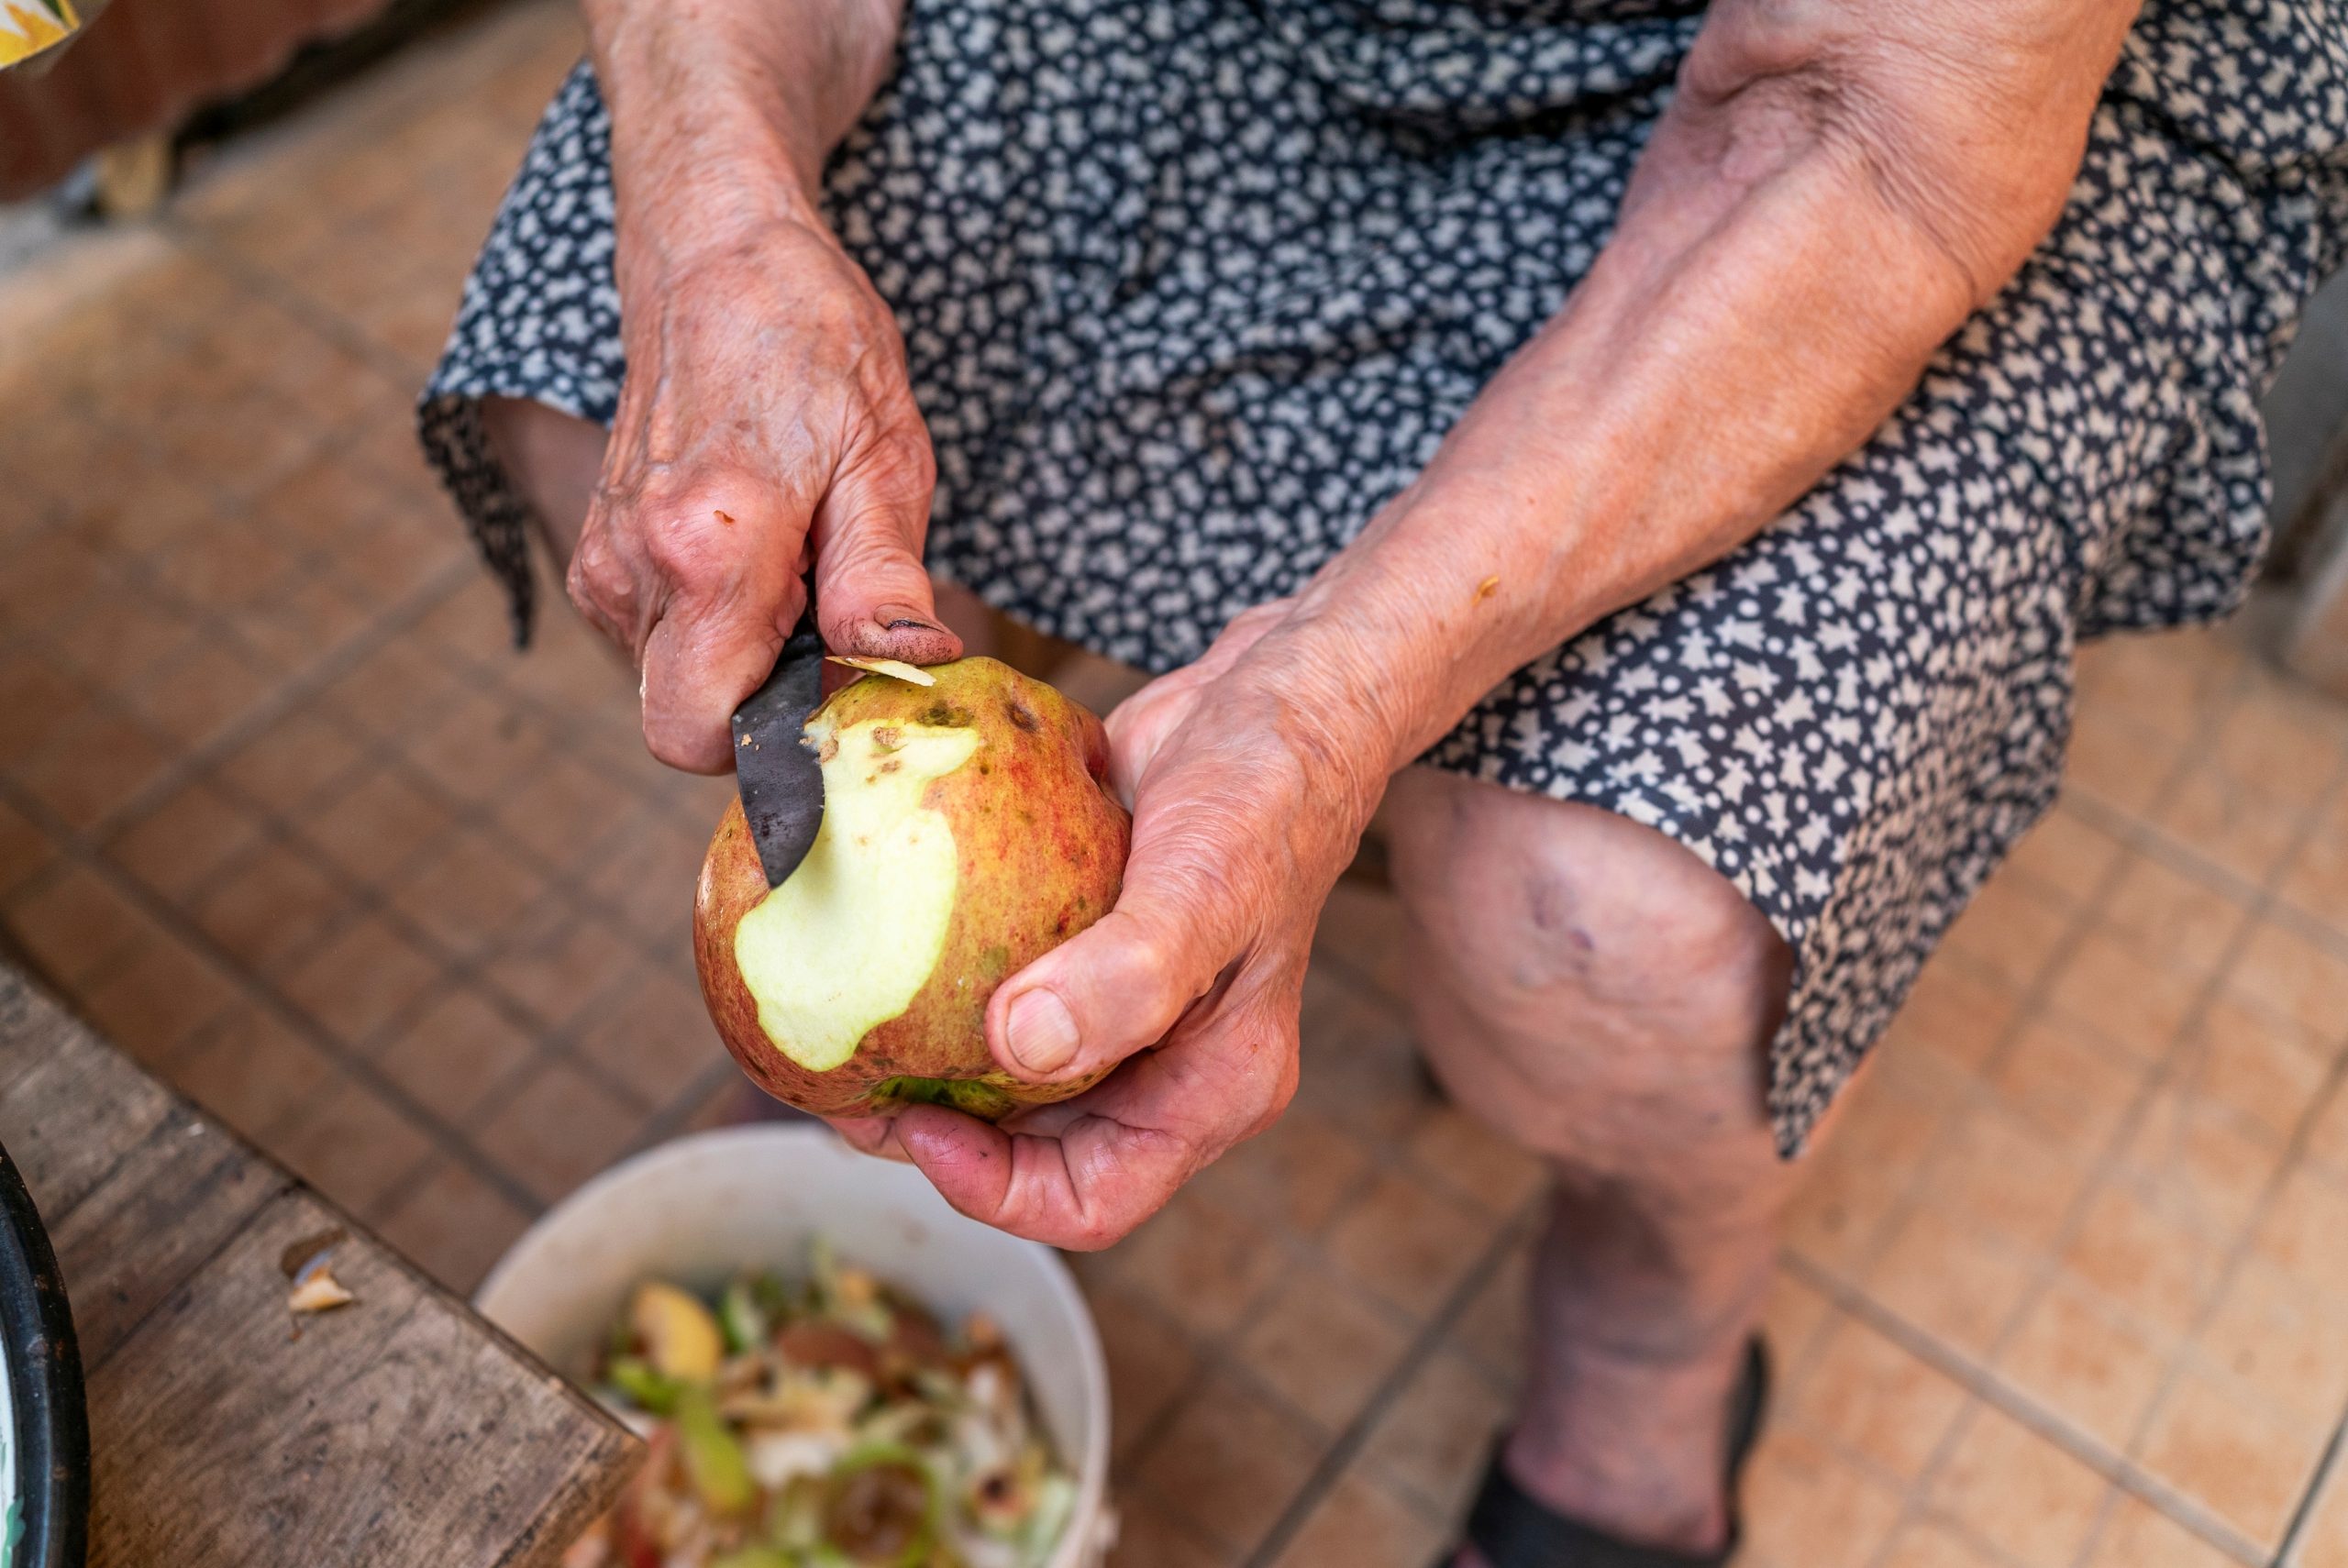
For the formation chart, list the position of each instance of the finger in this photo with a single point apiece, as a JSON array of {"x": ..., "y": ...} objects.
[
  {"x": 1083, "y": 1189},
  {"x": 871, "y": 590},
  {"x": 874, "y": 1136},
  {"x": 698, "y": 663}
]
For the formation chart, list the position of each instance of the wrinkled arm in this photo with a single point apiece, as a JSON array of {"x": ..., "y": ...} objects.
[{"x": 1837, "y": 186}]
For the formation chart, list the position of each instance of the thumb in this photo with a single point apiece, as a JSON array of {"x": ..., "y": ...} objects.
[
  {"x": 872, "y": 594},
  {"x": 1115, "y": 987}
]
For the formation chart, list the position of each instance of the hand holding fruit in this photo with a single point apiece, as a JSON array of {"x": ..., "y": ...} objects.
[{"x": 1250, "y": 788}]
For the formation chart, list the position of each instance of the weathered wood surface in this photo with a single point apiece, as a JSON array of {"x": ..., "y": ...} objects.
[{"x": 400, "y": 1430}]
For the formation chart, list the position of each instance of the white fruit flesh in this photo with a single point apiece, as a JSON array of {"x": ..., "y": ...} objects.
[{"x": 849, "y": 939}]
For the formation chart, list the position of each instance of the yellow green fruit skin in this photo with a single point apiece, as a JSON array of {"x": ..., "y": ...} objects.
[{"x": 1040, "y": 851}]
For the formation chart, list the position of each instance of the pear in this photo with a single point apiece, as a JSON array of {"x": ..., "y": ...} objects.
[{"x": 967, "y": 830}]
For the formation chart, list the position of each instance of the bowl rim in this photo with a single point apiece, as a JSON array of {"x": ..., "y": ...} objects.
[{"x": 51, "y": 1420}]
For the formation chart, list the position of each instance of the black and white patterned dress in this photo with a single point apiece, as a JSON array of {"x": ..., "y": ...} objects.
[{"x": 1191, "y": 287}]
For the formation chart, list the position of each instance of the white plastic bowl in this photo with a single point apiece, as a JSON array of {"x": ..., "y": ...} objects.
[{"x": 703, "y": 1209}]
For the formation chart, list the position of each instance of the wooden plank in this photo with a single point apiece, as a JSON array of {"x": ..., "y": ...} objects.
[
  {"x": 75, "y": 1114},
  {"x": 173, "y": 1200},
  {"x": 397, "y": 1430}
]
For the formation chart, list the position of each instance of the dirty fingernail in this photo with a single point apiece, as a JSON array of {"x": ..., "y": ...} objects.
[
  {"x": 1043, "y": 1036},
  {"x": 900, "y": 617}
]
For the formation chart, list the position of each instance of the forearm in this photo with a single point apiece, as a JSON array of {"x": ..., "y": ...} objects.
[
  {"x": 724, "y": 111},
  {"x": 1794, "y": 248}
]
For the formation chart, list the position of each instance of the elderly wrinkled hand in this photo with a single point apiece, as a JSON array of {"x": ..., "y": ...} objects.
[
  {"x": 1250, "y": 777},
  {"x": 765, "y": 421}
]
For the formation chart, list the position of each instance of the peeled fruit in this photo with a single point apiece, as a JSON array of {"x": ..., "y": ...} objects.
[
  {"x": 679, "y": 1337},
  {"x": 967, "y": 830}
]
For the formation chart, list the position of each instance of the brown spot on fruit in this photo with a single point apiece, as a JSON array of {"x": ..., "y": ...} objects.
[{"x": 1022, "y": 716}]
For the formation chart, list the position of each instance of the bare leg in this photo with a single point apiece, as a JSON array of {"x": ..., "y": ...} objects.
[
  {"x": 1596, "y": 993},
  {"x": 556, "y": 460}
]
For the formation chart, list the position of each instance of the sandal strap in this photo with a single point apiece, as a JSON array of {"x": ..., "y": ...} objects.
[{"x": 1509, "y": 1528}]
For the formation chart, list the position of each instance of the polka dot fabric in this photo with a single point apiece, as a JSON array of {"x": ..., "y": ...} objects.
[{"x": 1190, "y": 288}]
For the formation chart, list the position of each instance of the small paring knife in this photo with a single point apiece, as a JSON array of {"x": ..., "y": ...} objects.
[{"x": 781, "y": 778}]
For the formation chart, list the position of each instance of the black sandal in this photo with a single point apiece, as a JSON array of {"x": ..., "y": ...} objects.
[{"x": 1510, "y": 1530}]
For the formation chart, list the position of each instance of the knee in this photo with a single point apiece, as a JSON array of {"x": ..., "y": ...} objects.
[{"x": 1579, "y": 945}]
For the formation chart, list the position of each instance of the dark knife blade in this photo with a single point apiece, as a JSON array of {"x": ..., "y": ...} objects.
[{"x": 780, "y": 779}]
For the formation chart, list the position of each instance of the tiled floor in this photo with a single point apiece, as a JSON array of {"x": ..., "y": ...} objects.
[{"x": 280, "y": 811}]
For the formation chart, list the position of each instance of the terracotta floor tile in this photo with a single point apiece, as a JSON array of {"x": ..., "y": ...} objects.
[
  {"x": 2304, "y": 1230},
  {"x": 1854, "y": 1184},
  {"x": 1360, "y": 1068},
  {"x": 270, "y": 910},
  {"x": 472, "y": 746},
  {"x": 2182, "y": 924},
  {"x": 2244, "y": 1463},
  {"x": 1474, "y": 1162},
  {"x": 1807, "y": 1507},
  {"x": 2283, "y": 735},
  {"x": 397, "y": 694},
  {"x": 187, "y": 841},
  {"x": 376, "y": 825},
  {"x": 352, "y": 1146},
  {"x": 1431, "y": 1444},
  {"x": 2085, "y": 1364},
  {"x": 74, "y": 924},
  {"x": 2314, "y": 875},
  {"x": 1408, "y": 1244},
  {"x": 49, "y": 577},
  {"x": 560, "y": 1128},
  {"x": 1495, "y": 1327},
  {"x": 1201, "y": 1264},
  {"x": 2284, "y": 973},
  {"x": 146, "y": 509},
  {"x": 1995, "y": 1174},
  {"x": 96, "y": 765},
  {"x": 1363, "y": 929},
  {"x": 2230, "y": 823},
  {"x": 153, "y": 1000},
  {"x": 456, "y": 1055},
  {"x": 1356, "y": 1525},
  {"x": 645, "y": 882},
  {"x": 470, "y": 623},
  {"x": 2327, "y": 1138},
  {"x": 226, "y": 564},
  {"x": 1150, "y": 1536},
  {"x": 2066, "y": 857},
  {"x": 2168, "y": 682},
  {"x": 2011, "y": 931},
  {"x": 117, "y": 641},
  {"x": 25, "y": 850},
  {"x": 562, "y": 812},
  {"x": 1151, "y": 1365},
  {"x": 2118, "y": 764},
  {"x": 302, "y": 623},
  {"x": 198, "y": 690},
  {"x": 2137, "y": 1535},
  {"x": 1876, "y": 1399},
  {"x": 2143, "y": 1258},
  {"x": 253, "y": 1071},
  {"x": 2135, "y": 1002},
  {"x": 468, "y": 893},
  {"x": 558, "y": 959},
  {"x": 2325, "y": 1544},
  {"x": 1956, "y": 1011},
  {"x": 1320, "y": 1345},
  {"x": 1295, "y": 1173},
  {"x": 454, "y": 1226},
  {"x": 1794, "y": 1319},
  {"x": 2282, "y": 1339},
  {"x": 2266, "y": 1070},
  {"x": 653, "y": 1037},
  {"x": 1931, "y": 1544},
  {"x": 1230, "y": 1464},
  {"x": 1949, "y": 1280},
  {"x": 286, "y": 767},
  {"x": 2020, "y": 1492},
  {"x": 2205, "y": 1163},
  {"x": 364, "y": 976},
  {"x": 38, "y": 703},
  {"x": 2071, "y": 1085}
]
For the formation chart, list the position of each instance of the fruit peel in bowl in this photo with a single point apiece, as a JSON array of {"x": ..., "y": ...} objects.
[{"x": 830, "y": 1422}]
